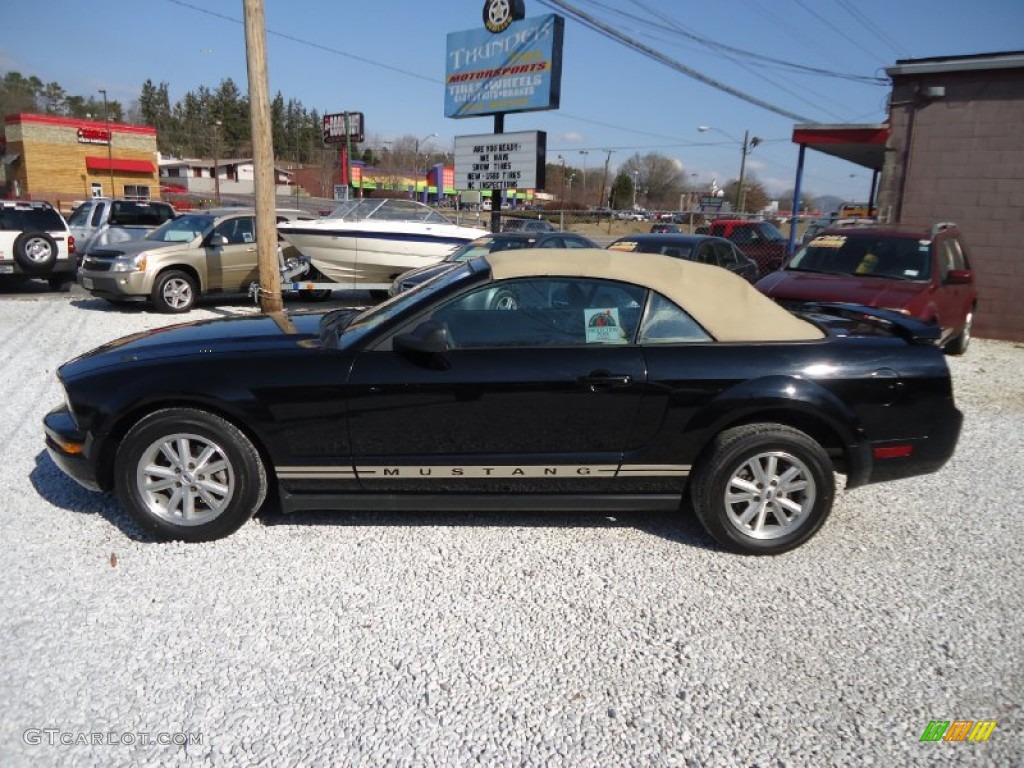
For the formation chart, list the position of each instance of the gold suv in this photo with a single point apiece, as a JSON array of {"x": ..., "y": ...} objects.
[{"x": 193, "y": 255}]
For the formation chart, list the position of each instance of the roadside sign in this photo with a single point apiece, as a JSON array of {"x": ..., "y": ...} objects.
[{"x": 334, "y": 128}]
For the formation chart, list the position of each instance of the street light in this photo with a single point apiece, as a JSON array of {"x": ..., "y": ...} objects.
[
  {"x": 110, "y": 142},
  {"x": 748, "y": 144},
  {"x": 584, "y": 152},
  {"x": 636, "y": 174},
  {"x": 418, "y": 169}
]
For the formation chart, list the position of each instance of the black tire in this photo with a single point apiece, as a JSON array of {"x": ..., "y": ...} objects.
[
  {"x": 727, "y": 468},
  {"x": 61, "y": 281},
  {"x": 315, "y": 294},
  {"x": 220, "y": 502},
  {"x": 959, "y": 344},
  {"x": 504, "y": 299},
  {"x": 174, "y": 292},
  {"x": 35, "y": 252}
]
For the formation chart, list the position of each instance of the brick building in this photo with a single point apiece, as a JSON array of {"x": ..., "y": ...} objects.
[
  {"x": 955, "y": 152},
  {"x": 62, "y": 159}
]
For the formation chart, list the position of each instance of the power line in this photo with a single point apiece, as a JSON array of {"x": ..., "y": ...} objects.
[
  {"x": 836, "y": 29},
  {"x": 611, "y": 33},
  {"x": 874, "y": 29},
  {"x": 311, "y": 44}
]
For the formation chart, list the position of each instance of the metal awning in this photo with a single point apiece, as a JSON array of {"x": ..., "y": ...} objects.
[{"x": 863, "y": 145}]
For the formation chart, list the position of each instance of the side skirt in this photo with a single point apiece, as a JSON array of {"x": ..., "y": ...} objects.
[{"x": 453, "y": 502}]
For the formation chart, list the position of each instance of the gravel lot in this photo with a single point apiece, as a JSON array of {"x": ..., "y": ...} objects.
[{"x": 576, "y": 640}]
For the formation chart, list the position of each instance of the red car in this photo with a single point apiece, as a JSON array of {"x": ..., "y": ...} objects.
[
  {"x": 921, "y": 272},
  {"x": 759, "y": 240}
]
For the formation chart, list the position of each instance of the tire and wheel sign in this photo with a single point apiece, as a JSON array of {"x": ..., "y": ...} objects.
[{"x": 499, "y": 14}]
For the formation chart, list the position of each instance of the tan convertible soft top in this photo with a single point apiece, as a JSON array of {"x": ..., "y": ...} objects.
[{"x": 726, "y": 305}]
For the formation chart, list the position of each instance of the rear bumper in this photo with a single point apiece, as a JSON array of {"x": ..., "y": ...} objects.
[
  {"x": 9, "y": 266},
  {"x": 927, "y": 454}
]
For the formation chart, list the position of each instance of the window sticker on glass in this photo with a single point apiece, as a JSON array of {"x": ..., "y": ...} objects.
[
  {"x": 828, "y": 241},
  {"x": 603, "y": 326},
  {"x": 625, "y": 245}
]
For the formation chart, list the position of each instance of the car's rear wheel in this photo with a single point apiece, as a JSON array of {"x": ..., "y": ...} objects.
[
  {"x": 173, "y": 292},
  {"x": 959, "y": 344},
  {"x": 763, "y": 489},
  {"x": 185, "y": 474},
  {"x": 61, "y": 281},
  {"x": 35, "y": 252},
  {"x": 315, "y": 294}
]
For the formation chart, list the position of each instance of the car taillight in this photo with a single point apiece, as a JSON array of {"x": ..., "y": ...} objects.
[{"x": 71, "y": 243}]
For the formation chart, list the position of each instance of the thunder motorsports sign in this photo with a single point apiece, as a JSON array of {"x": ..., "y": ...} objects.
[{"x": 518, "y": 70}]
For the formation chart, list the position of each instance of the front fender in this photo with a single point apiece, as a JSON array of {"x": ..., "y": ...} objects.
[{"x": 798, "y": 402}]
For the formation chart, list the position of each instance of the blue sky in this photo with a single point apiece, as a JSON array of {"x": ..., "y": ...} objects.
[{"x": 386, "y": 58}]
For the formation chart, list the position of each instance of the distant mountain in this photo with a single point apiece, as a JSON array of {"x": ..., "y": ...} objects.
[{"x": 828, "y": 203}]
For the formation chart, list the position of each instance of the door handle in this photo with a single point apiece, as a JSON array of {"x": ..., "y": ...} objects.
[{"x": 605, "y": 380}]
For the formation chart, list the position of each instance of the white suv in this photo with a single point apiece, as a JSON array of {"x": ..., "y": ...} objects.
[{"x": 35, "y": 242}]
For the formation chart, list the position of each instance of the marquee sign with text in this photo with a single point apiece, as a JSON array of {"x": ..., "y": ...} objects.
[{"x": 500, "y": 160}]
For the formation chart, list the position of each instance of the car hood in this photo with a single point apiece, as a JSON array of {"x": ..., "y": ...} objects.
[
  {"x": 133, "y": 247},
  {"x": 204, "y": 338},
  {"x": 813, "y": 286}
]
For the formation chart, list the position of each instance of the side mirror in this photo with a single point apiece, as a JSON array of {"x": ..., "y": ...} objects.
[
  {"x": 424, "y": 345},
  {"x": 218, "y": 241},
  {"x": 959, "y": 277}
]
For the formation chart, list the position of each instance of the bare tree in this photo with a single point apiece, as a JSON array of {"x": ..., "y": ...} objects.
[{"x": 660, "y": 179}]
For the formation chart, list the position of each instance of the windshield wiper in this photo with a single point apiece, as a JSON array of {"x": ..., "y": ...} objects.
[{"x": 819, "y": 271}]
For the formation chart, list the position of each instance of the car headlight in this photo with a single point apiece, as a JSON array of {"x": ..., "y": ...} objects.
[{"x": 136, "y": 263}]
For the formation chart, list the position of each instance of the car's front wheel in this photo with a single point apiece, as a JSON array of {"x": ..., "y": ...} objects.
[
  {"x": 173, "y": 292},
  {"x": 763, "y": 489},
  {"x": 958, "y": 345},
  {"x": 189, "y": 475}
]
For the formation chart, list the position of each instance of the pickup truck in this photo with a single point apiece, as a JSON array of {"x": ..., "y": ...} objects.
[
  {"x": 103, "y": 221},
  {"x": 758, "y": 240}
]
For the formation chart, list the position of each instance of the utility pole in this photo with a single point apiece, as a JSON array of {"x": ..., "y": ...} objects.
[
  {"x": 604, "y": 179},
  {"x": 263, "y": 156},
  {"x": 110, "y": 142}
]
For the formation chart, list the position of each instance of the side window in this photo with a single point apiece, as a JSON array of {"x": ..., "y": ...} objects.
[
  {"x": 575, "y": 242},
  {"x": 246, "y": 230},
  {"x": 726, "y": 255},
  {"x": 228, "y": 229},
  {"x": 543, "y": 312},
  {"x": 744, "y": 235},
  {"x": 957, "y": 259},
  {"x": 667, "y": 323},
  {"x": 946, "y": 258},
  {"x": 706, "y": 254},
  {"x": 553, "y": 242},
  {"x": 97, "y": 214}
]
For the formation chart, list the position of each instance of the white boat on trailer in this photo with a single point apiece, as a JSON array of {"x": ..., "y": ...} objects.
[{"x": 366, "y": 243}]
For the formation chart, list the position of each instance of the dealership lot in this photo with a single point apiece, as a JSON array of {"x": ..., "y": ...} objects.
[{"x": 506, "y": 638}]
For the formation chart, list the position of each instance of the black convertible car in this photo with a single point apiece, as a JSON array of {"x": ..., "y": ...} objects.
[{"x": 609, "y": 381}]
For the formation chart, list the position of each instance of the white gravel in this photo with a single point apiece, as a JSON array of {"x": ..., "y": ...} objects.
[{"x": 531, "y": 639}]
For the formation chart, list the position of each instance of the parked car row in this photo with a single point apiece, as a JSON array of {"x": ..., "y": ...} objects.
[{"x": 922, "y": 273}]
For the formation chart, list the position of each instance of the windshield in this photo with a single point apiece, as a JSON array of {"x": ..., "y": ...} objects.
[
  {"x": 484, "y": 245},
  {"x": 373, "y": 318},
  {"x": 899, "y": 258},
  {"x": 183, "y": 229},
  {"x": 769, "y": 231},
  {"x": 387, "y": 210}
]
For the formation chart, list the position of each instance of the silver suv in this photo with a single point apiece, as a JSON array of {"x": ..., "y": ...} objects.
[{"x": 35, "y": 242}]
